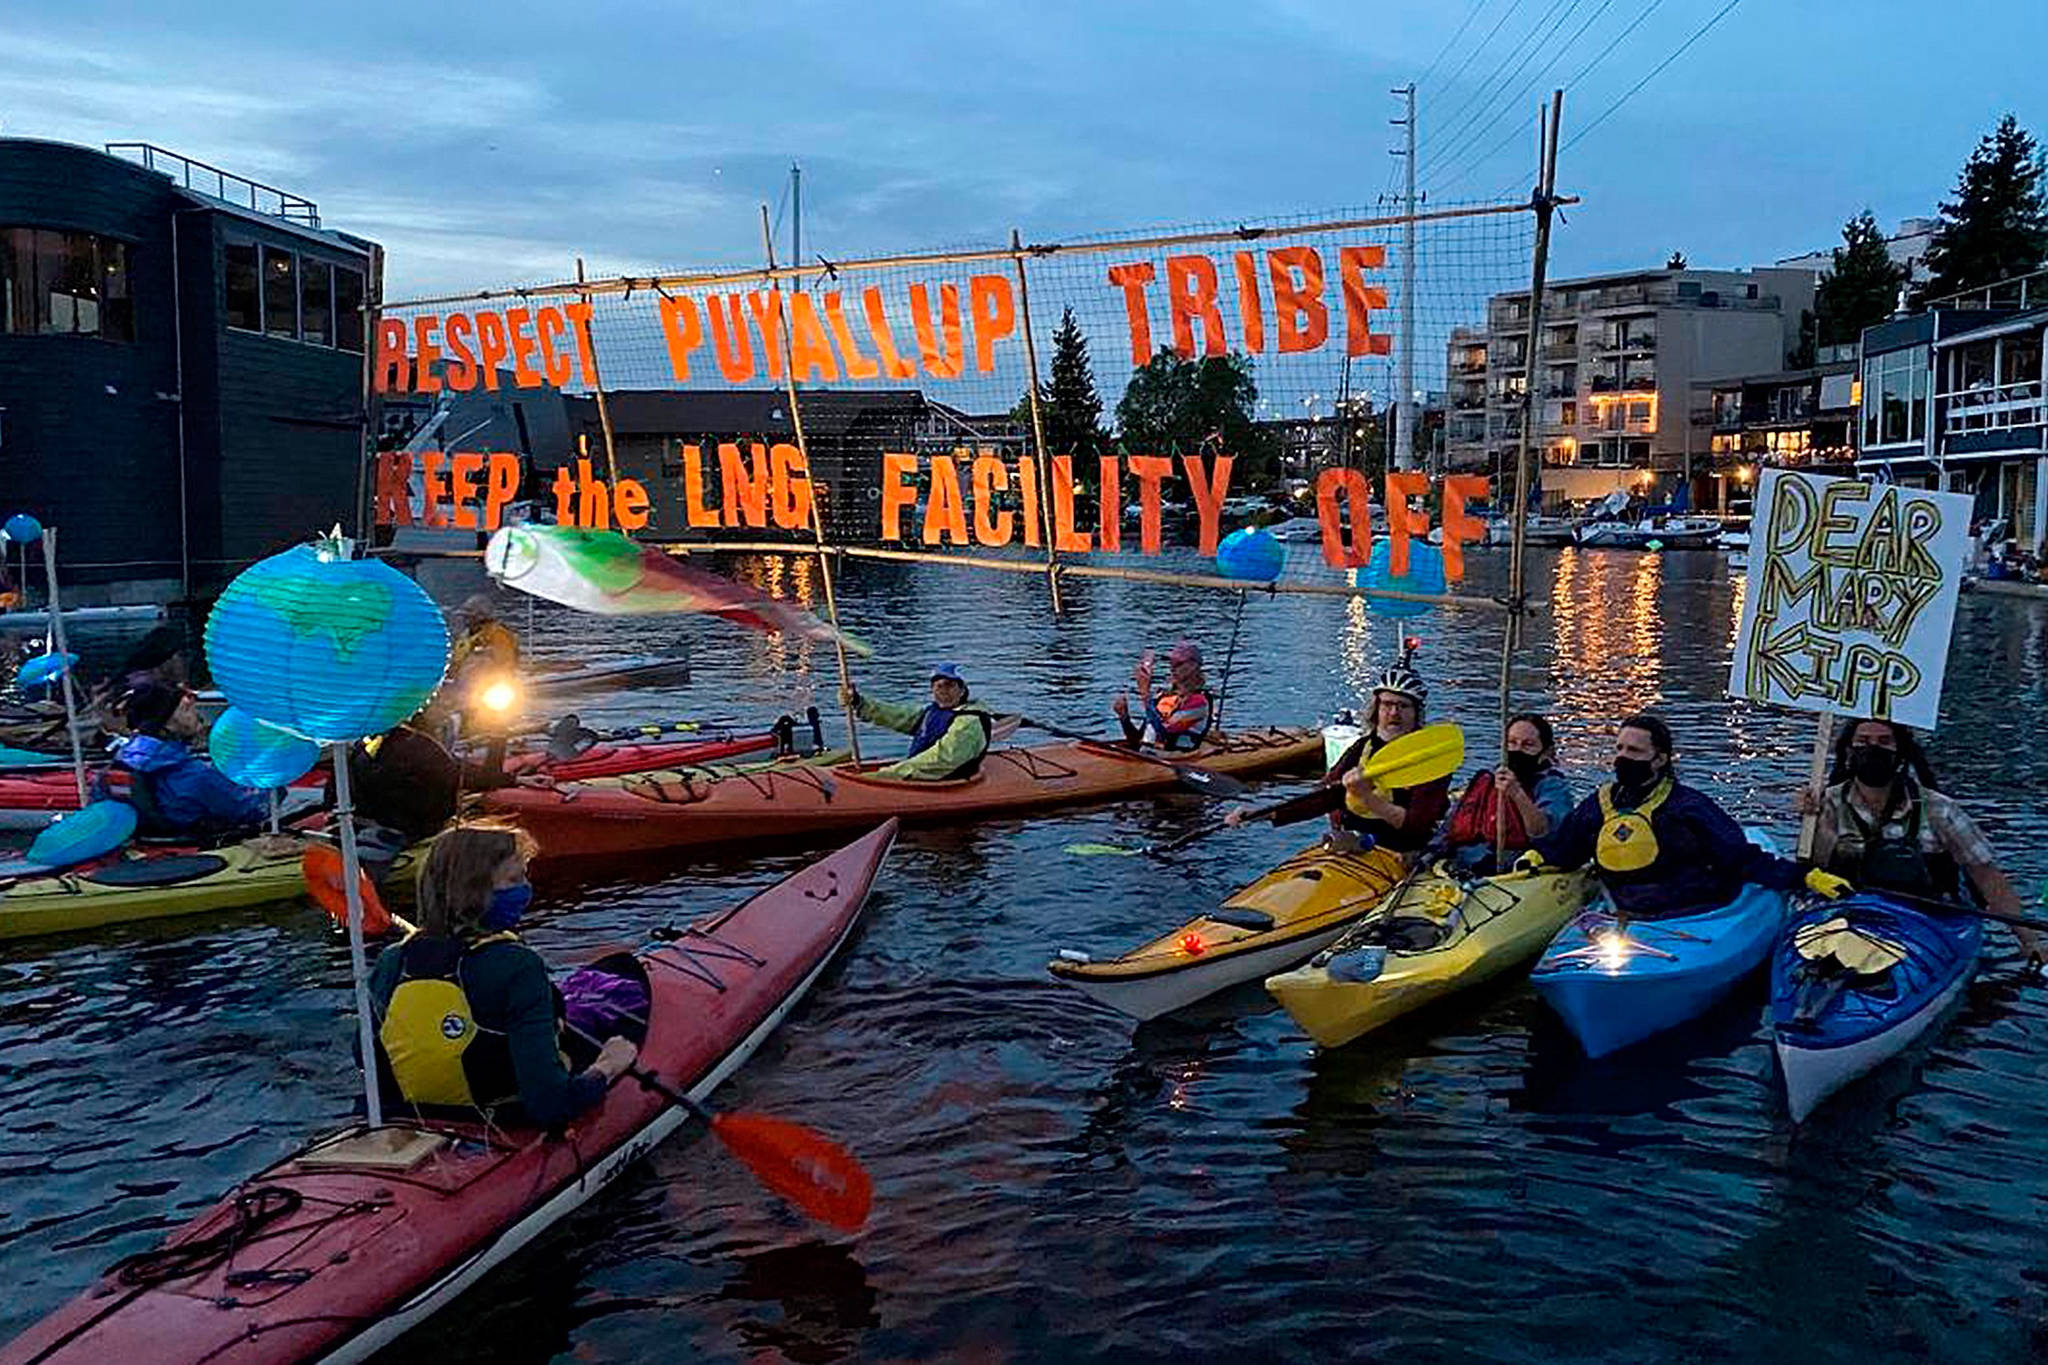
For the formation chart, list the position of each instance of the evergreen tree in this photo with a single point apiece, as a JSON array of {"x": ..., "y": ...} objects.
[
  {"x": 1862, "y": 287},
  {"x": 1072, "y": 411},
  {"x": 1997, "y": 225}
]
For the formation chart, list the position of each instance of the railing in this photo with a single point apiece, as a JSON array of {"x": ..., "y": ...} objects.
[
  {"x": 2020, "y": 292},
  {"x": 1667, "y": 296},
  {"x": 1991, "y": 407},
  {"x": 1560, "y": 350},
  {"x": 235, "y": 189},
  {"x": 1632, "y": 342},
  {"x": 1472, "y": 366}
]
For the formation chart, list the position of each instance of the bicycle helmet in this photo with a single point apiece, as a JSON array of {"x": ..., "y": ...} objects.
[{"x": 1402, "y": 680}]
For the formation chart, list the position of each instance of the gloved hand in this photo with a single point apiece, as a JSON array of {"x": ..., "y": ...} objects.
[
  {"x": 1824, "y": 883},
  {"x": 1531, "y": 863}
]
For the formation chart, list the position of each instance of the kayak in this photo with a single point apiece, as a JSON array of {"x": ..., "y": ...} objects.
[
  {"x": 1280, "y": 919},
  {"x": 652, "y": 811},
  {"x": 615, "y": 759},
  {"x": 1435, "y": 935},
  {"x": 1615, "y": 986},
  {"x": 339, "y": 1249},
  {"x": 13, "y": 759},
  {"x": 1855, "y": 982},
  {"x": 31, "y": 801}
]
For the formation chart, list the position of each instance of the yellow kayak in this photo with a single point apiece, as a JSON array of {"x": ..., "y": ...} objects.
[
  {"x": 1435, "y": 935},
  {"x": 1282, "y": 918}
]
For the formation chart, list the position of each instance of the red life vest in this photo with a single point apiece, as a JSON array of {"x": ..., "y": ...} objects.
[{"x": 1473, "y": 821}]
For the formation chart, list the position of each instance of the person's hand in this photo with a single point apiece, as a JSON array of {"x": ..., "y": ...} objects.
[
  {"x": 1821, "y": 882},
  {"x": 1807, "y": 800},
  {"x": 1235, "y": 816},
  {"x": 1122, "y": 706},
  {"x": 849, "y": 696},
  {"x": 1506, "y": 783},
  {"x": 541, "y": 780},
  {"x": 615, "y": 1057},
  {"x": 1357, "y": 783}
]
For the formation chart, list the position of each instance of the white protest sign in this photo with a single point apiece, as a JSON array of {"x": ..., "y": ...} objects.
[{"x": 1851, "y": 596}]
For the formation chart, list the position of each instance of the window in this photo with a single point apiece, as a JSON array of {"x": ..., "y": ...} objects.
[
  {"x": 244, "y": 307},
  {"x": 1895, "y": 397},
  {"x": 65, "y": 284},
  {"x": 348, "y": 308},
  {"x": 283, "y": 294},
  {"x": 316, "y": 301},
  {"x": 2019, "y": 360},
  {"x": 280, "y": 293}
]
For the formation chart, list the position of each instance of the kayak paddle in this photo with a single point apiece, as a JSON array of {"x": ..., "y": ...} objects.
[
  {"x": 320, "y": 865},
  {"x": 1959, "y": 907},
  {"x": 1204, "y": 780}
]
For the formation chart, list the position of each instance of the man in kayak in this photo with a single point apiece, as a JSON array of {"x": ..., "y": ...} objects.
[
  {"x": 1659, "y": 847},
  {"x": 1537, "y": 797},
  {"x": 1403, "y": 819},
  {"x": 1883, "y": 826},
  {"x": 158, "y": 657},
  {"x": 1179, "y": 718},
  {"x": 175, "y": 792},
  {"x": 466, "y": 1017},
  {"x": 948, "y": 738},
  {"x": 405, "y": 780},
  {"x": 485, "y": 651}
]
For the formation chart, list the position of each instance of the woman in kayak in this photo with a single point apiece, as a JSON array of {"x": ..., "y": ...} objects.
[
  {"x": 467, "y": 1019},
  {"x": 1659, "y": 847},
  {"x": 175, "y": 792},
  {"x": 407, "y": 782},
  {"x": 1538, "y": 800},
  {"x": 1403, "y": 819},
  {"x": 1179, "y": 718},
  {"x": 948, "y": 738},
  {"x": 1884, "y": 827}
]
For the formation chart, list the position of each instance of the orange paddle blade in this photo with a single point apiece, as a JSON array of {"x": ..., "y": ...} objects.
[
  {"x": 802, "y": 1165},
  {"x": 320, "y": 864}
]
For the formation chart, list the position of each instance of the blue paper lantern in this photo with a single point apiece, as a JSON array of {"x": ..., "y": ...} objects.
[
  {"x": 23, "y": 529},
  {"x": 255, "y": 754},
  {"x": 325, "y": 647},
  {"x": 44, "y": 668},
  {"x": 90, "y": 832},
  {"x": 1253, "y": 555},
  {"x": 1425, "y": 574}
]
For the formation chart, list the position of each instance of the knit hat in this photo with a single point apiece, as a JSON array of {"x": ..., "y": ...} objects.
[{"x": 149, "y": 707}]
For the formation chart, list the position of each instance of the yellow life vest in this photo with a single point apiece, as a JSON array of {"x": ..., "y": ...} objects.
[
  {"x": 427, "y": 1028},
  {"x": 1628, "y": 841}
]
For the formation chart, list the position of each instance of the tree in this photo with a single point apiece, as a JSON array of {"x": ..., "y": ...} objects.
[
  {"x": 1861, "y": 288},
  {"x": 1677, "y": 261},
  {"x": 1997, "y": 225},
  {"x": 1072, "y": 411},
  {"x": 1180, "y": 406}
]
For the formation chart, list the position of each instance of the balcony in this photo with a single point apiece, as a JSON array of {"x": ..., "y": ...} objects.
[
  {"x": 1471, "y": 365},
  {"x": 222, "y": 185},
  {"x": 1640, "y": 383},
  {"x": 1991, "y": 407},
  {"x": 1634, "y": 343},
  {"x": 1561, "y": 350}
]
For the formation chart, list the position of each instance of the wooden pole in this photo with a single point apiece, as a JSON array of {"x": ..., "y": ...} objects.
[
  {"x": 358, "y": 963},
  {"x": 604, "y": 413},
  {"x": 1044, "y": 460},
  {"x": 57, "y": 636},
  {"x": 796, "y": 423},
  {"x": 1816, "y": 779},
  {"x": 373, "y": 313}
]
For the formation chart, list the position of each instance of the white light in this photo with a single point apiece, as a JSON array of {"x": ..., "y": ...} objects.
[
  {"x": 499, "y": 697},
  {"x": 1613, "y": 949}
]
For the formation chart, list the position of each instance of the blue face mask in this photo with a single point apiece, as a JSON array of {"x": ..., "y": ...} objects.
[{"x": 508, "y": 903}]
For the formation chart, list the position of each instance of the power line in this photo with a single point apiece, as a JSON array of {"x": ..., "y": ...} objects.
[
  {"x": 1697, "y": 34},
  {"x": 1452, "y": 79},
  {"x": 1470, "y": 15},
  {"x": 1456, "y": 155},
  {"x": 1482, "y": 93},
  {"x": 1533, "y": 44}
]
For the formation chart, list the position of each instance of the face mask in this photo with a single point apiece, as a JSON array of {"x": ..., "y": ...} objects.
[
  {"x": 1874, "y": 767},
  {"x": 1525, "y": 767},
  {"x": 508, "y": 903},
  {"x": 1635, "y": 774}
]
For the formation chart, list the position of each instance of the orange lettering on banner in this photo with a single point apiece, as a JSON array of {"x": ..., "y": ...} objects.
[
  {"x": 1191, "y": 293},
  {"x": 1027, "y": 488},
  {"x": 501, "y": 485},
  {"x": 1066, "y": 537},
  {"x": 940, "y": 361},
  {"x": 1355, "y": 493},
  {"x": 1249, "y": 309},
  {"x": 743, "y": 488},
  {"x": 490, "y": 342},
  {"x": 730, "y": 339},
  {"x": 1361, "y": 298},
  {"x": 1209, "y": 494},
  {"x": 393, "y": 503},
  {"x": 1109, "y": 516},
  {"x": 1403, "y": 520},
  {"x": 550, "y": 323},
  {"x": 394, "y": 371},
  {"x": 593, "y": 500},
  {"x": 991, "y": 476},
  {"x": 586, "y": 349},
  {"x": 463, "y": 468},
  {"x": 995, "y": 316},
  {"x": 518, "y": 322},
  {"x": 425, "y": 353},
  {"x": 858, "y": 366},
  {"x": 789, "y": 486},
  {"x": 896, "y": 495},
  {"x": 1461, "y": 527},
  {"x": 945, "y": 511},
  {"x": 699, "y": 516},
  {"x": 1132, "y": 279},
  {"x": 767, "y": 309},
  {"x": 1150, "y": 471},
  {"x": 432, "y": 490},
  {"x": 810, "y": 353},
  {"x": 893, "y": 363},
  {"x": 1302, "y": 322},
  {"x": 630, "y": 502},
  {"x": 683, "y": 330},
  {"x": 456, "y": 333}
]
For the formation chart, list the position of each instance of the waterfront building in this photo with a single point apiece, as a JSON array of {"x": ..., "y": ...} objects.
[{"x": 1802, "y": 419}]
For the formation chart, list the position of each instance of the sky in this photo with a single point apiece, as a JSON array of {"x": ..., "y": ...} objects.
[{"x": 485, "y": 148}]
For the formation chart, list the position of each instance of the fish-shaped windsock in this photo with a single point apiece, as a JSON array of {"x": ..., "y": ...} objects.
[{"x": 608, "y": 574}]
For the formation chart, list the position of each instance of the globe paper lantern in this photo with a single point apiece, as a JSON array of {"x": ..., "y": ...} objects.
[
  {"x": 326, "y": 647},
  {"x": 255, "y": 754},
  {"x": 90, "y": 832},
  {"x": 1253, "y": 555},
  {"x": 23, "y": 529},
  {"x": 1425, "y": 574}
]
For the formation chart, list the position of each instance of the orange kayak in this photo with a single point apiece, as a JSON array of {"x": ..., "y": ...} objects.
[{"x": 643, "y": 812}]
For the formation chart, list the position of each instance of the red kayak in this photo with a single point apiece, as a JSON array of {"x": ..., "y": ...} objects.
[
  {"x": 616, "y": 760},
  {"x": 335, "y": 1252},
  {"x": 32, "y": 801}
]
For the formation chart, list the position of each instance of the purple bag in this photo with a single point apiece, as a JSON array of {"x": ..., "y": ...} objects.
[{"x": 602, "y": 1004}]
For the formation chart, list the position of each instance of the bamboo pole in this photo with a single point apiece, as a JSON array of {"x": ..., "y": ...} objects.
[
  {"x": 803, "y": 449},
  {"x": 604, "y": 413},
  {"x": 358, "y": 963},
  {"x": 1044, "y": 461},
  {"x": 57, "y": 638}
]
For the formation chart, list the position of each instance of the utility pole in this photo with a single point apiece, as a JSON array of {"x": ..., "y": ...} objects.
[
  {"x": 1404, "y": 411},
  {"x": 796, "y": 221}
]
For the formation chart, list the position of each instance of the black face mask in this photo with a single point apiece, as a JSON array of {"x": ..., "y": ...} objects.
[
  {"x": 1635, "y": 774},
  {"x": 1526, "y": 767},
  {"x": 1872, "y": 766}
]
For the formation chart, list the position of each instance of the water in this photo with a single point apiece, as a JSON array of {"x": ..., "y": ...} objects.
[{"x": 1053, "y": 1182}]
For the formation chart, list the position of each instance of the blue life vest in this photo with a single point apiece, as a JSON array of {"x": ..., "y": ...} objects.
[{"x": 932, "y": 724}]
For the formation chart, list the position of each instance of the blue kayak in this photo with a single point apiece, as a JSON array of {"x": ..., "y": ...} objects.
[
  {"x": 1855, "y": 982},
  {"x": 1614, "y": 987}
]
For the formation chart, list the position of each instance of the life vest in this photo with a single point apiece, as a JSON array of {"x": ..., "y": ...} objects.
[
  {"x": 1628, "y": 839},
  {"x": 931, "y": 727},
  {"x": 490, "y": 642},
  {"x": 1473, "y": 822},
  {"x": 1171, "y": 702},
  {"x": 1886, "y": 856},
  {"x": 429, "y": 1034}
]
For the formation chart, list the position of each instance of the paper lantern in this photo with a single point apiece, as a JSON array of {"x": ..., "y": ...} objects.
[
  {"x": 90, "y": 832},
  {"x": 325, "y": 647},
  {"x": 44, "y": 668},
  {"x": 1253, "y": 555},
  {"x": 23, "y": 529},
  {"x": 1425, "y": 574},
  {"x": 255, "y": 754}
]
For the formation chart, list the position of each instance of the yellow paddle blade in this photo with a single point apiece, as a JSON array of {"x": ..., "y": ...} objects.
[{"x": 1432, "y": 752}]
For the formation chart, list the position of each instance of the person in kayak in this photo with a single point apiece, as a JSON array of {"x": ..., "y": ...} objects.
[
  {"x": 406, "y": 781},
  {"x": 158, "y": 657},
  {"x": 1659, "y": 847},
  {"x": 948, "y": 738},
  {"x": 1538, "y": 800},
  {"x": 466, "y": 1017},
  {"x": 1883, "y": 826},
  {"x": 175, "y": 792},
  {"x": 1179, "y": 718},
  {"x": 1404, "y": 819}
]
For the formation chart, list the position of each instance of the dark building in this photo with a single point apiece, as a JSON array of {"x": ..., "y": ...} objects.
[
  {"x": 1794, "y": 419},
  {"x": 180, "y": 365}
]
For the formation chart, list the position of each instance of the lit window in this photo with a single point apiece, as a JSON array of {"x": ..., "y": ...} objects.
[
  {"x": 280, "y": 293},
  {"x": 65, "y": 284}
]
